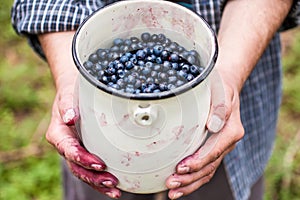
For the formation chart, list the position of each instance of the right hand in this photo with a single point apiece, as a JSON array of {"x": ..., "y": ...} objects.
[
  {"x": 61, "y": 132},
  {"x": 84, "y": 165}
]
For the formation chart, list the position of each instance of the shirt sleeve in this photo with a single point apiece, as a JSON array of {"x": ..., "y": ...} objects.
[
  {"x": 293, "y": 18},
  {"x": 33, "y": 17}
]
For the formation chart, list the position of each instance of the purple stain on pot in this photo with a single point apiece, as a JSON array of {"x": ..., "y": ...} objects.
[
  {"x": 177, "y": 131},
  {"x": 190, "y": 133},
  {"x": 123, "y": 121},
  {"x": 126, "y": 159},
  {"x": 102, "y": 119}
]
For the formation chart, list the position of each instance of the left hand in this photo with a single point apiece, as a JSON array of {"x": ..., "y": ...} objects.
[{"x": 225, "y": 125}]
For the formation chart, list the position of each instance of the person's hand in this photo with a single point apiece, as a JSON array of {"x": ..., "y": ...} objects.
[
  {"x": 225, "y": 125},
  {"x": 61, "y": 132}
]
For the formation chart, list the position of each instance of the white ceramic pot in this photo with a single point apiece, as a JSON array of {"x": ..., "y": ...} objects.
[{"x": 142, "y": 137}]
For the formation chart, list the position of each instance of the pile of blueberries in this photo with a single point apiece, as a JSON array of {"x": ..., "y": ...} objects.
[{"x": 149, "y": 64}]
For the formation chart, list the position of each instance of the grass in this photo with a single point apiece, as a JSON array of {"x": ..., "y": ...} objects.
[{"x": 30, "y": 168}]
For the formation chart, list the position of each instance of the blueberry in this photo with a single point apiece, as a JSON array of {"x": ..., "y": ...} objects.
[
  {"x": 167, "y": 42},
  {"x": 102, "y": 53},
  {"x": 175, "y": 66},
  {"x": 131, "y": 79},
  {"x": 137, "y": 91},
  {"x": 121, "y": 82},
  {"x": 174, "y": 57},
  {"x": 194, "y": 70},
  {"x": 141, "y": 63},
  {"x": 118, "y": 41},
  {"x": 171, "y": 86},
  {"x": 147, "y": 90},
  {"x": 127, "y": 42},
  {"x": 163, "y": 76},
  {"x": 140, "y": 54},
  {"x": 165, "y": 55},
  {"x": 154, "y": 38},
  {"x": 172, "y": 79},
  {"x": 161, "y": 38},
  {"x": 157, "y": 49},
  {"x": 145, "y": 36},
  {"x": 151, "y": 58},
  {"x": 148, "y": 51},
  {"x": 154, "y": 74},
  {"x": 173, "y": 46},
  {"x": 88, "y": 65},
  {"x": 182, "y": 74},
  {"x": 133, "y": 60},
  {"x": 114, "y": 49},
  {"x": 124, "y": 59},
  {"x": 93, "y": 58},
  {"x": 110, "y": 70},
  {"x": 104, "y": 79},
  {"x": 150, "y": 44},
  {"x": 166, "y": 66},
  {"x": 163, "y": 86},
  {"x": 149, "y": 65},
  {"x": 120, "y": 66},
  {"x": 171, "y": 72},
  {"x": 185, "y": 68},
  {"x": 150, "y": 80},
  {"x": 158, "y": 60},
  {"x": 189, "y": 77},
  {"x": 157, "y": 68},
  {"x": 134, "y": 39},
  {"x": 129, "y": 89},
  {"x": 98, "y": 67},
  {"x": 138, "y": 83},
  {"x": 113, "y": 78},
  {"x": 146, "y": 71},
  {"x": 179, "y": 83},
  {"x": 121, "y": 73},
  {"x": 191, "y": 59},
  {"x": 129, "y": 65},
  {"x": 115, "y": 86}
]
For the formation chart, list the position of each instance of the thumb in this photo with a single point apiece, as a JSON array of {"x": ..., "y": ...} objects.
[
  {"x": 219, "y": 110},
  {"x": 67, "y": 103}
]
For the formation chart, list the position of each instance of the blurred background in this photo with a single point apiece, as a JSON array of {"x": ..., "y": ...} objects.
[{"x": 29, "y": 166}]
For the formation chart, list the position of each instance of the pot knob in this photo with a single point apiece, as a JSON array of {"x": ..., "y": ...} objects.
[{"x": 145, "y": 115}]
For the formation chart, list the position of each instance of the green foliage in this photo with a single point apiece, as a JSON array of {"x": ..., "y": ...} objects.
[
  {"x": 283, "y": 172},
  {"x": 31, "y": 179},
  {"x": 291, "y": 85}
]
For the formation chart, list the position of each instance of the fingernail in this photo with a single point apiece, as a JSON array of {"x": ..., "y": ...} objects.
[
  {"x": 69, "y": 116},
  {"x": 183, "y": 169},
  {"x": 177, "y": 195},
  {"x": 215, "y": 124},
  {"x": 175, "y": 184},
  {"x": 107, "y": 183},
  {"x": 111, "y": 195},
  {"x": 97, "y": 166}
]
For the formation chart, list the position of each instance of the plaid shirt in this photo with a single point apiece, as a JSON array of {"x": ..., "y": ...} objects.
[{"x": 260, "y": 97}]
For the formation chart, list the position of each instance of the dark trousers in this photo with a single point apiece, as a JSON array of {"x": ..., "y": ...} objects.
[{"x": 217, "y": 189}]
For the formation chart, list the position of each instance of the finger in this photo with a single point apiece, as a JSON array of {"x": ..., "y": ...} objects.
[
  {"x": 220, "y": 109},
  {"x": 215, "y": 146},
  {"x": 181, "y": 180},
  {"x": 191, "y": 182},
  {"x": 67, "y": 101},
  {"x": 103, "y": 182},
  {"x": 96, "y": 178},
  {"x": 68, "y": 145}
]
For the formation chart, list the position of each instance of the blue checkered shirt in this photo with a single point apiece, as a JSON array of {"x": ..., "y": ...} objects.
[{"x": 260, "y": 97}]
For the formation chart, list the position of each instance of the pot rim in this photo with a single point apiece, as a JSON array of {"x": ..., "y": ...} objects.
[{"x": 146, "y": 96}]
